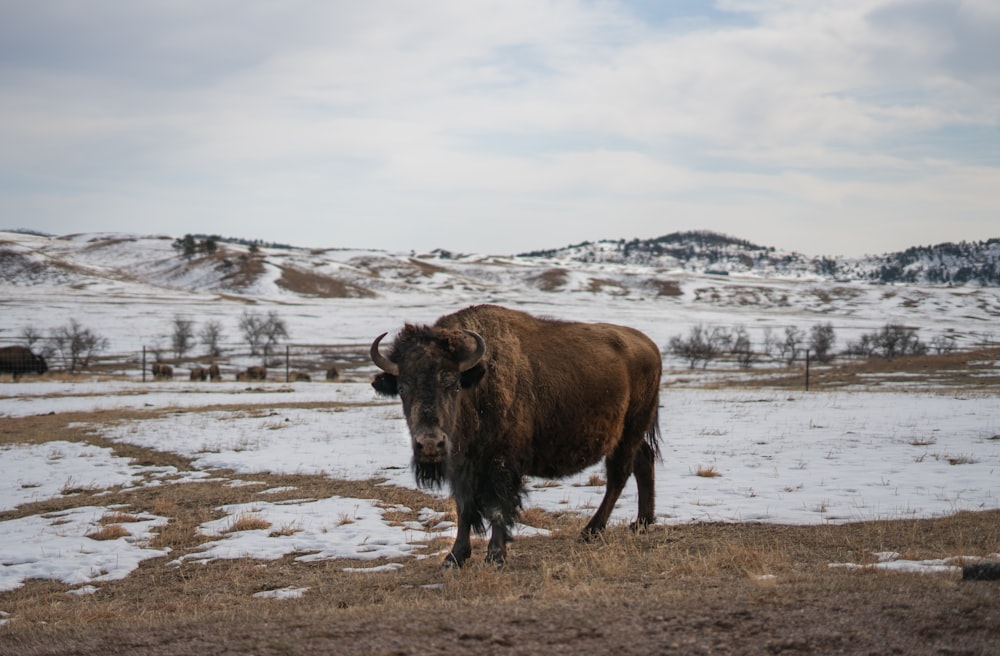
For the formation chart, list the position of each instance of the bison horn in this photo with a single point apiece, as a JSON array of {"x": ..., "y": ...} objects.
[
  {"x": 380, "y": 360},
  {"x": 473, "y": 359}
]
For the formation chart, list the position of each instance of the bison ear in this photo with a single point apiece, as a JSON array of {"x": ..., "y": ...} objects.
[
  {"x": 471, "y": 377},
  {"x": 386, "y": 385}
]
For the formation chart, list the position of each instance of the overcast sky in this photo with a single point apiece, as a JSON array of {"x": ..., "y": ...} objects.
[{"x": 831, "y": 128}]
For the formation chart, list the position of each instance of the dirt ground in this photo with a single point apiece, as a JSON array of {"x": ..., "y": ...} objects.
[{"x": 691, "y": 589}]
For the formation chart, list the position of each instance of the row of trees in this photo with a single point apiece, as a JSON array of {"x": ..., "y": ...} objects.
[
  {"x": 703, "y": 344},
  {"x": 262, "y": 332},
  {"x": 74, "y": 343},
  {"x": 77, "y": 345}
]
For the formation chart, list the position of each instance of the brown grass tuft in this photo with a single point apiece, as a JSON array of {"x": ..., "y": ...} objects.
[
  {"x": 248, "y": 522},
  {"x": 108, "y": 532},
  {"x": 707, "y": 472}
]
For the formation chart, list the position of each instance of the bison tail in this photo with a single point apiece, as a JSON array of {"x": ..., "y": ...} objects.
[{"x": 653, "y": 437}]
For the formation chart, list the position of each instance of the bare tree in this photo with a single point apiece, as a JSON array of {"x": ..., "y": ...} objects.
[
  {"x": 252, "y": 327},
  {"x": 895, "y": 340},
  {"x": 211, "y": 337},
  {"x": 943, "y": 344},
  {"x": 274, "y": 331},
  {"x": 821, "y": 339},
  {"x": 891, "y": 341},
  {"x": 701, "y": 345},
  {"x": 31, "y": 336},
  {"x": 262, "y": 332},
  {"x": 76, "y": 344},
  {"x": 788, "y": 350},
  {"x": 182, "y": 336},
  {"x": 742, "y": 347},
  {"x": 769, "y": 343}
]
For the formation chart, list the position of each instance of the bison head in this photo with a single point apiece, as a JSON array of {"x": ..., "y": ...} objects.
[
  {"x": 428, "y": 369},
  {"x": 38, "y": 364}
]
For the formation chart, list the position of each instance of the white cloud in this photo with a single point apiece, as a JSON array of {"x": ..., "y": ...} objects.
[{"x": 422, "y": 112}]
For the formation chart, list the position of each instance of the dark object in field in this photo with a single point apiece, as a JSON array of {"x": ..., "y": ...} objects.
[
  {"x": 332, "y": 373},
  {"x": 252, "y": 373},
  {"x": 162, "y": 371},
  {"x": 18, "y": 360},
  {"x": 981, "y": 572},
  {"x": 492, "y": 395},
  {"x": 214, "y": 373},
  {"x": 199, "y": 373}
]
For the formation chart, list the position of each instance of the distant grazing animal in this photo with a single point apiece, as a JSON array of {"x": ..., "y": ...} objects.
[
  {"x": 492, "y": 395},
  {"x": 199, "y": 373},
  {"x": 299, "y": 377},
  {"x": 214, "y": 373},
  {"x": 162, "y": 371},
  {"x": 332, "y": 373},
  {"x": 256, "y": 373},
  {"x": 18, "y": 360}
]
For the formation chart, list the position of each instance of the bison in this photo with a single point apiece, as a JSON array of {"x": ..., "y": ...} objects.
[
  {"x": 199, "y": 373},
  {"x": 332, "y": 373},
  {"x": 214, "y": 373},
  {"x": 299, "y": 377},
  {"x": 252, "y": 373},
  {"x": 19, "y": 360},
  {"x": 492, "y": 395},
  {"x": 162, "y": 371}
]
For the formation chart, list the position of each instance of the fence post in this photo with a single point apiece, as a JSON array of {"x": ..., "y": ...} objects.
[
  {"x": 286, "y": 363},
  {"x": 144, "y": 363},
  {"x": 807, "y": 370}
]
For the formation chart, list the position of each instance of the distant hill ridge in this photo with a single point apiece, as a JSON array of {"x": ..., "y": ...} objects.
[
  {"x": 706, "y": 251},
  {"x": 697, "y": 251}
]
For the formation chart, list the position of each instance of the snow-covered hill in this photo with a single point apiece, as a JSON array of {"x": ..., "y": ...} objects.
[
  {"x": 130, "y": 286},
  {"x": 700, "y": 251}
]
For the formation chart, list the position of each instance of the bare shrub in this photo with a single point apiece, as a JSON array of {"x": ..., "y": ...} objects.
[
  {"x": 211, "y": 336},
  {"x": 263, "y": 333},
  {"x": 76, "y": 344},
  {"x": 821, "y": 340},
  {"x": 182, "y": 335},
  {"x": 707, "y": 472}
]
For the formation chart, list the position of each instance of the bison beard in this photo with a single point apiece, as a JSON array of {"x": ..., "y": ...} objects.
[{"x": 492, "y": 395}]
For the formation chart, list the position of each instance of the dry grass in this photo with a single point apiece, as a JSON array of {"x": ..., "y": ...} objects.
[
  {"x": 309, "y": 283},
  {"x": 248, "y": 522},
  {"x": 551, "y": 280},
  {"x": 109, "y": 532},
  {"x": 707, "y": 472}
]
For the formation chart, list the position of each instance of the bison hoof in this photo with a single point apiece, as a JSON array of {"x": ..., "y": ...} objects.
[
  {"x": 451, "y": 561},
  {"x": 590, "y": 535},
  {"x": 640, "y": 526}
]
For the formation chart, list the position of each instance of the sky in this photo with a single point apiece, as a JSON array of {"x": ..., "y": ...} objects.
[{"x": 500, "y": 127}]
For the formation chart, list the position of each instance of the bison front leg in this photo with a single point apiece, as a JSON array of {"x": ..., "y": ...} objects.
[
  {"x": 496, "y": 552},
  {"x": 462, "y": 549}
]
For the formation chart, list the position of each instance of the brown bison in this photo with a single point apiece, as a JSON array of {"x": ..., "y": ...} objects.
[
  {"x": 18, "y": 360},
  {"x": 299, "y": 377},
  {"x": 199, "y": 373},
  {"x": 252, "y": 373},
  {"x": 332, "y": 373},
  {"x": 214, "y": 373},
  {"x": 492, "y": 395},
  {"x": 162, "y": 371}
]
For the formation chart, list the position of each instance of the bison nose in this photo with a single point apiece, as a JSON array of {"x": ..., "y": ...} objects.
[{"x": 430, "y": 445}]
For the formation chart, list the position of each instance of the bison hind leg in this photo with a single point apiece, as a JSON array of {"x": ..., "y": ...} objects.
[{"x": 645, "y": 480}]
